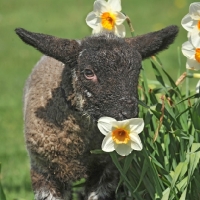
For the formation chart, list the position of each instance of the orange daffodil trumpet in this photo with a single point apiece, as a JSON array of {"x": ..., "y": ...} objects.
[
  {"x": 121, "y": 136},
  {"x": 106, "y": 17},
  {"x": 191, "y": 48}
]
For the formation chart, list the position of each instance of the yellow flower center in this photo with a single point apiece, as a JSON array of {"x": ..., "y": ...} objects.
[
  {"x": 198, "y": 25},
  {"x": 197, "y": 55},
  {"x": 108, "y": 20},
  {"x": 120, "y": 136}
]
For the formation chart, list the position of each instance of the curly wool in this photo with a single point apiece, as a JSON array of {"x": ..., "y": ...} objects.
[{"x": 57, "y": 137}]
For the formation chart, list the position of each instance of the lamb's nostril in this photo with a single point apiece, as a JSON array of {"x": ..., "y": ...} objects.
[
  {"x": 120, "y": 117},
  {"x": 124, "y": 114},
  {"x": 129, "y": 101}
]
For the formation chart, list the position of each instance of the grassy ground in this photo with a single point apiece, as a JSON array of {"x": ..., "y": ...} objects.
[{"x": 63, "y": 19}]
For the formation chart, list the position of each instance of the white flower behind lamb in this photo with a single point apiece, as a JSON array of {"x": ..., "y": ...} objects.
[
  {"x": 191, "y": 49},
  {"x": 191, "y": 21},
  {"x": 121, "y": 136},
  {"x": 106, "y": 17}
]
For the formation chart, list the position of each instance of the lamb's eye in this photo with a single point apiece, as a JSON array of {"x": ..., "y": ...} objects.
[{"x": 88, "y": 73}]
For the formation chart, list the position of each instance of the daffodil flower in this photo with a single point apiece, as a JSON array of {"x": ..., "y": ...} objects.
[
  {"x": 191, "y": 22},
  {"x": 121, "y": 136},
  {"x": 106, "y": 16},
  {"x": 191, "y": 49}
]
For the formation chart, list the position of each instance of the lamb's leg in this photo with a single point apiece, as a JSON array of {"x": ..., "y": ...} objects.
[
  {"x": 102, "y": 186},
  {"x": 45, "y": 188}
]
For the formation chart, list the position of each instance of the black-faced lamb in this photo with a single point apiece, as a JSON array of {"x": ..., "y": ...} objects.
[{"x": 70, "y": 88}]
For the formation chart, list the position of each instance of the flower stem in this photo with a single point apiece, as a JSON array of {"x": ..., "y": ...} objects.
[
  {"x": 187, "y": 84},
  {"x": 130, "y": 26},
  {"x": 179, "y": 61},
  {"x": 195, "y": 75}
]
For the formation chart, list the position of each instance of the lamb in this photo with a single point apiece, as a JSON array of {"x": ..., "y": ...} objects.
[{"x": 69, "y": 89}]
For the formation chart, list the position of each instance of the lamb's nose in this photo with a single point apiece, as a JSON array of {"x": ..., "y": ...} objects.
[
  {"x": 127, "y": 101},
  {"x": 125, "y": 114}
]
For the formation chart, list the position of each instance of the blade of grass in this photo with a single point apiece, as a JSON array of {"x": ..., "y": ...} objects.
[
  {"x": 127, "y": 164},
  {"x": 144, "y": 170},
  {"x": 117, "y": 164},
  {"x": 158, "y": 74}
]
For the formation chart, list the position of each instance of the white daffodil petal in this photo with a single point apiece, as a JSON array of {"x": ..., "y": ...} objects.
[
  {"x": 121, "y": 124},
  {"x": 123, "y": 149},
  {"x": 97, "y": 30},
  {"x": 188, "y": 49},
  {"x": 136, "y": 143},
  {"x": 187, "y": 23},
  {"x": 194, "y": 10},
  {"x": 104, "y": 128},
  {"x": 120, "y": 30},
  {"x": 104, "y": 125},
  {"x": 92, "y": 20},
  {"x": 120, "y": 18},
  {"x": 136, "y": 146},
  {"x": 192, "y": 64},
  {"x": 196, "y": 28},
  {"x": 106, "y": 17},
  {"x": 100, "y": 6},
  {"x": 115, "y": 5},
  {"x": 195, "y": 39},
  {"x": 107, "y": 119},
  {"x": 136, "y": 125},
  {"x": 108, "y": 144},
  {"x": 188, "y": 34}
]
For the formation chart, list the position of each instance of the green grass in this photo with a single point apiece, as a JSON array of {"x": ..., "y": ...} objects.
[{"x": 62, "y": 19}]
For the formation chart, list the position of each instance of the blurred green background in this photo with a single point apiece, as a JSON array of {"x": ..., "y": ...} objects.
[{"x": 62, "y": 19}]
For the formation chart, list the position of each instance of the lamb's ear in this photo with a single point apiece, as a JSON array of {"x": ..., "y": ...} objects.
[
  {"x": 63, "y": 50},
  {"x": 152, "y": 43}
]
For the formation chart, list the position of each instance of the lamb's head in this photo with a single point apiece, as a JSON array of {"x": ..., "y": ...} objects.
[{"x": 105, "y": 68}]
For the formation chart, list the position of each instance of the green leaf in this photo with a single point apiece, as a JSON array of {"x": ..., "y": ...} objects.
[
  {"x": 195, "y": 147},
  {"x": 155, "y": 112},
  {"x": 158, "y": 74},
  {"x": 158, "y": 61},
  {"x": 182, "y": 184},
  {"x": 179, "y": 171},
  {"x": 195, "y": 114},
  {"x": 145, "y": 87},
  {"x": 181, "y": 113},
  {"x": 148, "y": 118},
  {"x": 117, "y": 164},
  {"x": 194, "y": 160},
  {"x": 196, "y": 181},
  {"x": 143, "y": 104},
  {"x": 97, "y": 151},
  {"x": 127, "y": 164},
  {"x": 166, "y": 194},
  {"x": 144, "y": 170},
  {"x": 183, "y": 196},
  {"x": 189, "y": 97},
  {"x": 154, "y": 175},
  {"x": 79, "y": 183}
]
